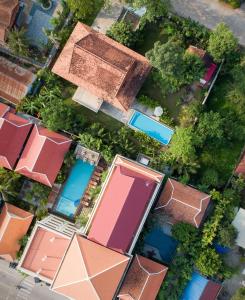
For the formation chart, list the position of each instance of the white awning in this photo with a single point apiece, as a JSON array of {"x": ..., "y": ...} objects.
[
  {"x": 239, "y": 224},
  {"x": 87, "y": 99}
]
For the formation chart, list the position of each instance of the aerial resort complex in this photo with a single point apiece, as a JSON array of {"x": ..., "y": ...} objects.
[{"x": 122, "y": 150}]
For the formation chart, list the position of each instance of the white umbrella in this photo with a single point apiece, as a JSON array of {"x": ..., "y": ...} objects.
[{"x": 158, "y": 111}]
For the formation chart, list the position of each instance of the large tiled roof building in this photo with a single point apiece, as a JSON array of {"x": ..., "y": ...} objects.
[{"x": 102, "y": 66}]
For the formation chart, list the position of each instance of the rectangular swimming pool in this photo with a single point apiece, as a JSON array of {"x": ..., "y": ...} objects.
[
  {"x": 151, "y": 127},
  {"x": 74, "y": 188}
]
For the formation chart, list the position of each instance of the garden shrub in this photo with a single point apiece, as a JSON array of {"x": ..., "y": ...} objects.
[{"x": 233, "y": 3}]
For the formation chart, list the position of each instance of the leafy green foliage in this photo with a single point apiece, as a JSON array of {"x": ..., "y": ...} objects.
[
  {"x": 233, "y": 3},
  {"x": 84, "y": 9},
  {"x": 209, "y": 262},
  {"x": 177, "y": 277},
  {"x": 10, "y": 183},
  {"x": 154, "y": 8},
  {"x": 175, "y": 66},
  {"x": 123, "y": 33},
  {"x": 222, "y": 42},
  {"x": 17, "y": 42},
  {"x": 147, "y": 101},
  {"x": 227, "y": 235},
  {"x": 240, "y": 294},
  {"x": 209, "y": 127}
]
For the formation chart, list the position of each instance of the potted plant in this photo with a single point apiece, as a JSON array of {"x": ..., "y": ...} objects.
[{"x": 46, "y": 4}]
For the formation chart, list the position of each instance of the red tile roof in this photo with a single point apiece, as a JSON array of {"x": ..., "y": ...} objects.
[
  {"x": 183, "y": 202},
  {"x": 43, "y": 155},
  {"x": 8, "y": 10},
  {"x": 89, "y": 271},
  {"x": 240, "y": 169},
  {"x": 104, "y": 67},
  {"x": 123, "y": 204},
  {"x": 14, "y": 224},
  {"x": 44, "y": 252},
  {"x": 211, "y": 291},
  {"x": 13, "y": 133},
  {"x": 143, "y": 280},
  {"x": 15, "y": 81}
]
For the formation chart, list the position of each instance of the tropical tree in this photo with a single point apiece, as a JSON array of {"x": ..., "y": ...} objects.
[
  {"x": 188, "y": 236},
  {"x": 154, "y": 8},
  {"x": 210, "y": 127},
  {"x": 168, "y": 60},
  {"x": 210, "y": 177},
  {"x": 227, "y": 235},
  {"x": 84, "y": 9},
  {"x": 123, "y": 33},
  {"x": 57, "y": 115},
  {"x": 194, "y": 67},
  {"x": 9, "y": 183},
  {"x": 209, "y": 262},
  {"x": 182, "y": 147},
  {"x": 222, "y": 42},
  {"x": 18, "y": 42},
  {"x": 29, "y": 105}
]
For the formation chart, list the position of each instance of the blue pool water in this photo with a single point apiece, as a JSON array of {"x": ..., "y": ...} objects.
[
  {"x": 166, "y": 245},
  {"x": 154, "y": 129},
  {"x": 195, "y": 287},
  {"x": 74, "y": 188}
]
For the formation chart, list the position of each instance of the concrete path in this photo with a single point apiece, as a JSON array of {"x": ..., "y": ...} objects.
[{"x": 211, "y": 12}]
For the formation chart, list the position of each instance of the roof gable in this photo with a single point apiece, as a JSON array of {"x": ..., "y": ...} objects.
[
  {"x": 15, "y": 81},
  {"x": 143, "y": 279},
  {"x": 44, "y": 252},
  {"x": 14, "y": 224},
  {"x": 104, "y": 67},
  {"x": 121, "y": 209},
  {"x": 42, "y": 145},
  {"x": 93, "y": 266},
  {"x": 13, "y": 133},
  {"x": 183, "y": 202}
]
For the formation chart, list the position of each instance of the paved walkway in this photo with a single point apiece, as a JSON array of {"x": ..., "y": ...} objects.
[{"x": 211, "y": 12}]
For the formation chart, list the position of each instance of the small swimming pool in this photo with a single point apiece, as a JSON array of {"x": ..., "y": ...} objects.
[
  {"x": 74, "y": 188},
  {"x": 152, "y": 128}
]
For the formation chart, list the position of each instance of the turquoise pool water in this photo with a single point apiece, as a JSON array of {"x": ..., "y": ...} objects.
[
  {"x": 74, "y": 188},
  {"x": 154, "y": 129}
]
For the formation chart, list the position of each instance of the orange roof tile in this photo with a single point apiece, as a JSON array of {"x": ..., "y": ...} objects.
[
  {"x": 14, "y": 224},
  {"x": 89, "y": 271},
  {"x": 240, "y": 169},
  {"x": 104, "y": 67},
  {"x": 44, "y": 252},
  {"x": 43, "y": 155},
  {"x": 15, "y": 81},
  {"x": 183, "y": 202},
  {"x": 143, "y": 279}
]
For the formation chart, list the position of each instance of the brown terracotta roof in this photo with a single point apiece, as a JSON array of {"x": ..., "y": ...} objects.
[
  {"x": 211, "y": 291},
  {"x": 14, "y": 223},
  {"x": 240, "y": 169},
  {"x": 104, "y": 67},
  {"x": 89, "y": 271},
  {"x": 183, "y": 202},
  {"x": 8, "y": 10},
  {"x": 143, "y": 280},
  {"x": 15, "y": 81}
]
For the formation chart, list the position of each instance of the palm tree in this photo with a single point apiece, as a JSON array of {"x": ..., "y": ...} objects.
[
  {"x": 29, "y": 105},
  {"x": 8, "y": 183},
  {"x": 18, "y": 42}
]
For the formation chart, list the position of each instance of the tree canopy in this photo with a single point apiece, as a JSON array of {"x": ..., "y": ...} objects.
[
  {"x": 209, "y": 262},
  {"x": 84, "y": 9},
  {"x": 222, "y": 42},
  {"x": 123, "y": 33},
  {"x": 176, "y": 67},
  {"x": 18, "y": 42}
]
